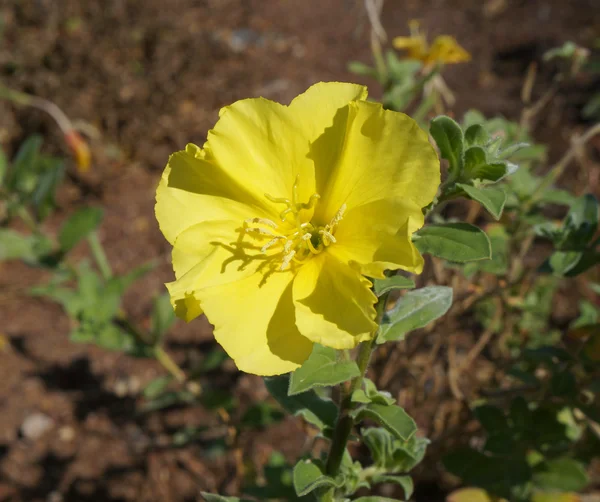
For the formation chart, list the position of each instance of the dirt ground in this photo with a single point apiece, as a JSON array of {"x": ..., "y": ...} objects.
[{"x": 144, "y": 77}]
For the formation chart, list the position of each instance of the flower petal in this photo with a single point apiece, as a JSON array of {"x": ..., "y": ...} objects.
[
  {"x": 379, "y": 154},
  {"x": 334, "y": 303},
  {"x": 205, "y": 255},
  {"x": 446, "y": 49},
  {"x": 416, "y": 46},
  {"x": 260, "y": 145},
  {"x": 254, "y": 321},
  {"x": 316, "y": 108},
  {"x": 377, "y": 237},
  {"x": 193, "y": 189}
]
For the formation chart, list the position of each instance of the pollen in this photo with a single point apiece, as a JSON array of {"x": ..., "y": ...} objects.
[{"x": 295, "y": 239}]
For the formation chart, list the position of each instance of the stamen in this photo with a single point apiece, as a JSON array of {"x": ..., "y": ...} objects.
[
  {"x": 300, "y": 240},
  {"x": 327, "y": 236},
  {"x": 338, "y": 216},
  {"x": 264, "y": 221},
  {"x": 261, "y": 231},
  {"x": 287, "y": 259},
  {"x": 272, "y": 242}
]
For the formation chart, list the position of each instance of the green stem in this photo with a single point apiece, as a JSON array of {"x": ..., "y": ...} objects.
[
  {"x": 99, "y": 255},
  {"x": 171, "y": 366},
  {"x": 161, "y": 355},
  {"x": 345, "y": 422}
]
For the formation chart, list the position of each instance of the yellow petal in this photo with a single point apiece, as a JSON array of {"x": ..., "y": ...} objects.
[
  {"x": 415, "y": 46},
  {"x": 379, "y": 154},
  {"x": 260, "y": 145},
  {"x": 334, "y": 303},
  {"x": 254, "y": 322},
  {"x": 193, "y": 190},
  {"x": 205, "y": 255},
  {"x": 377, "y": 237},
  {"x": 315, "y": 108},
  {"x": 446, "y": 49}
]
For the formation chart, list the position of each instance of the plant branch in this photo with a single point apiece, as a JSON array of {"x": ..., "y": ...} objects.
[{"x": 345, "y": 421}]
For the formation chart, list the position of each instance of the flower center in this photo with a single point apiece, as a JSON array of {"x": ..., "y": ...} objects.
[{"x": 295, "y": 239}]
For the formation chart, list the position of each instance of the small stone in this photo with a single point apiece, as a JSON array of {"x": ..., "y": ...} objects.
[
  {"x": 35, "y": 425},
  {"x": 66, "y": 433},
  {"x": 121, "y": 388},
  {"x": 241, "y": 39}
]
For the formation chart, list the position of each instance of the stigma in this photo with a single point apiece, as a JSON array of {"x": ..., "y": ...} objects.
[{"x": 293, "y": 239}]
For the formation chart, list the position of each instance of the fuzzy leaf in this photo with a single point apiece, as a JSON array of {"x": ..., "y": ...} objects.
[
  {"x": 415, "y": 310},
  {"x": 493, "y": 199},
  {"x": 321, "y": 369},
  {"x": 457, "y": 242},
  {"x": 308, "y": 477},
  {"x": 449, "y": 138},
  {"x": 405, "y": 482},
  {"x": 390, "y": 283},
  {"x": 391, "y": 417}
]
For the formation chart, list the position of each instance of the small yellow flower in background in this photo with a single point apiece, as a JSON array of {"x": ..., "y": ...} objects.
[
  {"x": 444, "y": 49},
  {"x": 80, "y": 150},
  {"x": 277, "y": 220}
]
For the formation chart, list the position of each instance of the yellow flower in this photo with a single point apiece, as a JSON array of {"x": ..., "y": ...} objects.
[
  {"x": 277, "y": 219},
  {"x": 445, "y": 49}
]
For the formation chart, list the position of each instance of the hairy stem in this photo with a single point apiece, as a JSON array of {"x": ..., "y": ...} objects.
[{"x": 345, "y": 421}]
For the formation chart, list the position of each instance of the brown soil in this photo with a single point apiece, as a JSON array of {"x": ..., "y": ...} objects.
[{"x": 147, "y": 76}]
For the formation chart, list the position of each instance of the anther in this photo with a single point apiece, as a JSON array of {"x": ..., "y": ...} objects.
[
  {"x": 338, "y": 216},
  {"x": 287, "y": 259},
  {"x": 272, "y": 242},
  {"x": 261, "y": 231},
  {"x": 264, "y": 221}
]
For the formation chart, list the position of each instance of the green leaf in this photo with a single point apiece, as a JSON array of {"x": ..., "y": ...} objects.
[
  {"x": 22, "y": 176},
  {"x": 457, "y": 242},
  {"x": 491, "y": 418},
  {"x": 308, "y": 477},
  {"x": 78, "y": 226},
  {"x": 373, "y": 498},
  {"x": 382, "y": 286},
  {"x": 362, "y": 69},
  {"x": 392, "y": 417},
  {"x": 582, "y": 222},
  {"x": 556, "y": 196},
  {"x": 498, "y": 475},
  {"x": 476, "y": 135},
  {"x": 43, "y": 196},
  {"x": 17, "y": 246},
  {"x": 414, "y": 310},
  {"x": 321, "y": 369},
  {"x": 163, "y": 316},
  {"x": 377, "y": 396},
  {"x": 563, "y": 474},
  {"x": 493, "y": 199},
  {"x": 562, "y": 262},
  {"x": 477, "y": 166},
  {"x": 449, "y": 138},
  {"x": 405, "y": 482},
  {"x": 316, "y": 410}
]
